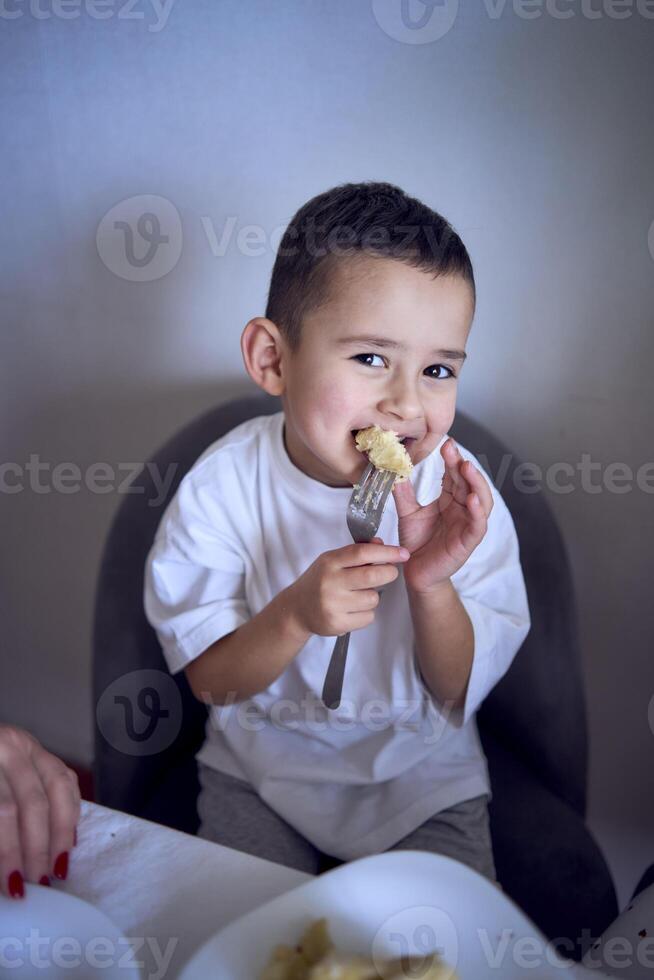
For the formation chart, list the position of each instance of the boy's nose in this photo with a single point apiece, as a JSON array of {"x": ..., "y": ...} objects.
[{"x": 402, "y": 401}]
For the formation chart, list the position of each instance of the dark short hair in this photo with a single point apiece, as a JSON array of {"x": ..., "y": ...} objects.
[{"x": 375, "y": 219}]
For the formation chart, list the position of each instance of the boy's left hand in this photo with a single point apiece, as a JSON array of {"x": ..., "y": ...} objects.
[{"x": 442, "y": 535}]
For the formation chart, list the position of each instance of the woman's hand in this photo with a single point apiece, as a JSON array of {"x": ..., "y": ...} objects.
[
  {"x": 39, "y": 810},
  {"x": 442, "y": 535}
]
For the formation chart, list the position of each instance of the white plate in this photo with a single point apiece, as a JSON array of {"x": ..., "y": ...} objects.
[
  {"x": 52, "y": 935},
  {"x": 387, "y": 905}
]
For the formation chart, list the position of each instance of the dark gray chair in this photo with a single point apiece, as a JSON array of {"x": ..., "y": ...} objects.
[{"x": 532, "y": 725}]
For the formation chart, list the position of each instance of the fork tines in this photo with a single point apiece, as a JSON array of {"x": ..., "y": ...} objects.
[{"x": 372, "y": 491}]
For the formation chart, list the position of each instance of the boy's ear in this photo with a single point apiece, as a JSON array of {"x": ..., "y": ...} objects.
[{"x": 261, "y": 346}]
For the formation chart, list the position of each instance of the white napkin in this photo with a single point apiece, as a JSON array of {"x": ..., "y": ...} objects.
[{"x": 167, "y": 891}]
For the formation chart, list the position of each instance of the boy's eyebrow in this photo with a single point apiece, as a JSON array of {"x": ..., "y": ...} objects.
[{"x": 383, "y": 342}]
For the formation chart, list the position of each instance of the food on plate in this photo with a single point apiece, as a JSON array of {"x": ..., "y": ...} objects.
[
  {"x": 385, "y": 451},
  {"x": 315, "y": 958},
  {"x": 296, "y": 962}
]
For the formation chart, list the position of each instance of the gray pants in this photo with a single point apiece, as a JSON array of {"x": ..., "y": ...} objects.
[{"x": 232, "y": 813}]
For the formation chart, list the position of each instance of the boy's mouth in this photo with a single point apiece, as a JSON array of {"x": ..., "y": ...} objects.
[{"x": 407, "y": 441}]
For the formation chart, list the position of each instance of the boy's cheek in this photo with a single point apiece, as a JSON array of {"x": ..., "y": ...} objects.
[
  {"x": 424, "y": 448},
  {"x": 331, "y": 401}
]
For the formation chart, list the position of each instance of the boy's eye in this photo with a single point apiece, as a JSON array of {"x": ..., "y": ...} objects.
[
  {"x": 442, "y": 367},
  {"x": 358, "y": 356},
  {"x": 437, "y": 367}
]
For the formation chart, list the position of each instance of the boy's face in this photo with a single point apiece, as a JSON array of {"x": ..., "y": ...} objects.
[{"x": 334, "y": 384}]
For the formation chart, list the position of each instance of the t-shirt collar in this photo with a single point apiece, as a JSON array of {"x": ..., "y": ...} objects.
[{"x": 305, "y": 487}]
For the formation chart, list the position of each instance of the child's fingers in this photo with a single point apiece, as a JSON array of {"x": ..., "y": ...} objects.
[
  {"x": 372, "y": 553},
  {"x": 466, "y": 478},
  {"x": 404, "y": 495},
  {"x": 475, "y": 507},
  {"x": 479, "y": 486},
  {"x": 454, "y": 482},
  {"x": 473, "y": 533}
]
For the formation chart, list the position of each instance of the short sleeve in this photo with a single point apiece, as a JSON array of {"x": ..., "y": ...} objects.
[
  {"x": 194, "y": 589},
  {"x": 491, "y": 587}
]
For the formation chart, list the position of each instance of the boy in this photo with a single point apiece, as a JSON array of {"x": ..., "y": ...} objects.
[{"x": 253, "y": 572}]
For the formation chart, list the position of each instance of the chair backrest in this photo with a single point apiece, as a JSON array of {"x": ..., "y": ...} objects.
[
  {"x": 538, "y": 709},
  {"x": 149, "y": 725}
]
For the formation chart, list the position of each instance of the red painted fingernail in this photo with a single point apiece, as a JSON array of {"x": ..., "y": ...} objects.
[
  {"x": 44, "y": 880},
  {"x": 15, "y": 882},
  {"x": 61, "y": 866}
]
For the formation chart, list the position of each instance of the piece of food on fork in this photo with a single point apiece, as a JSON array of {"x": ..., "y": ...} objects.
[{"x": 385, "y": 451}]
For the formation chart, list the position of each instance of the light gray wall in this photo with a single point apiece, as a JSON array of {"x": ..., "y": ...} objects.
[{"x": 533, "y": 134}]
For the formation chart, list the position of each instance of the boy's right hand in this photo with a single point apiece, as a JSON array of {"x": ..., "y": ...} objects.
[{"x": 338, "y": 592}]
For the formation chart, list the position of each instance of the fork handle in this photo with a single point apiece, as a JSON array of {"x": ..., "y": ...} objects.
[{"x": 333, "y": 686}]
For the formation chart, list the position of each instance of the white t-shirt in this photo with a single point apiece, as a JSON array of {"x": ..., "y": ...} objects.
[{"x": 244, "y": 524}]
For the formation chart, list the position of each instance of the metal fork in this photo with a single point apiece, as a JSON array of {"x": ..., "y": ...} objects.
[{"x": 364, "y": 513}]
